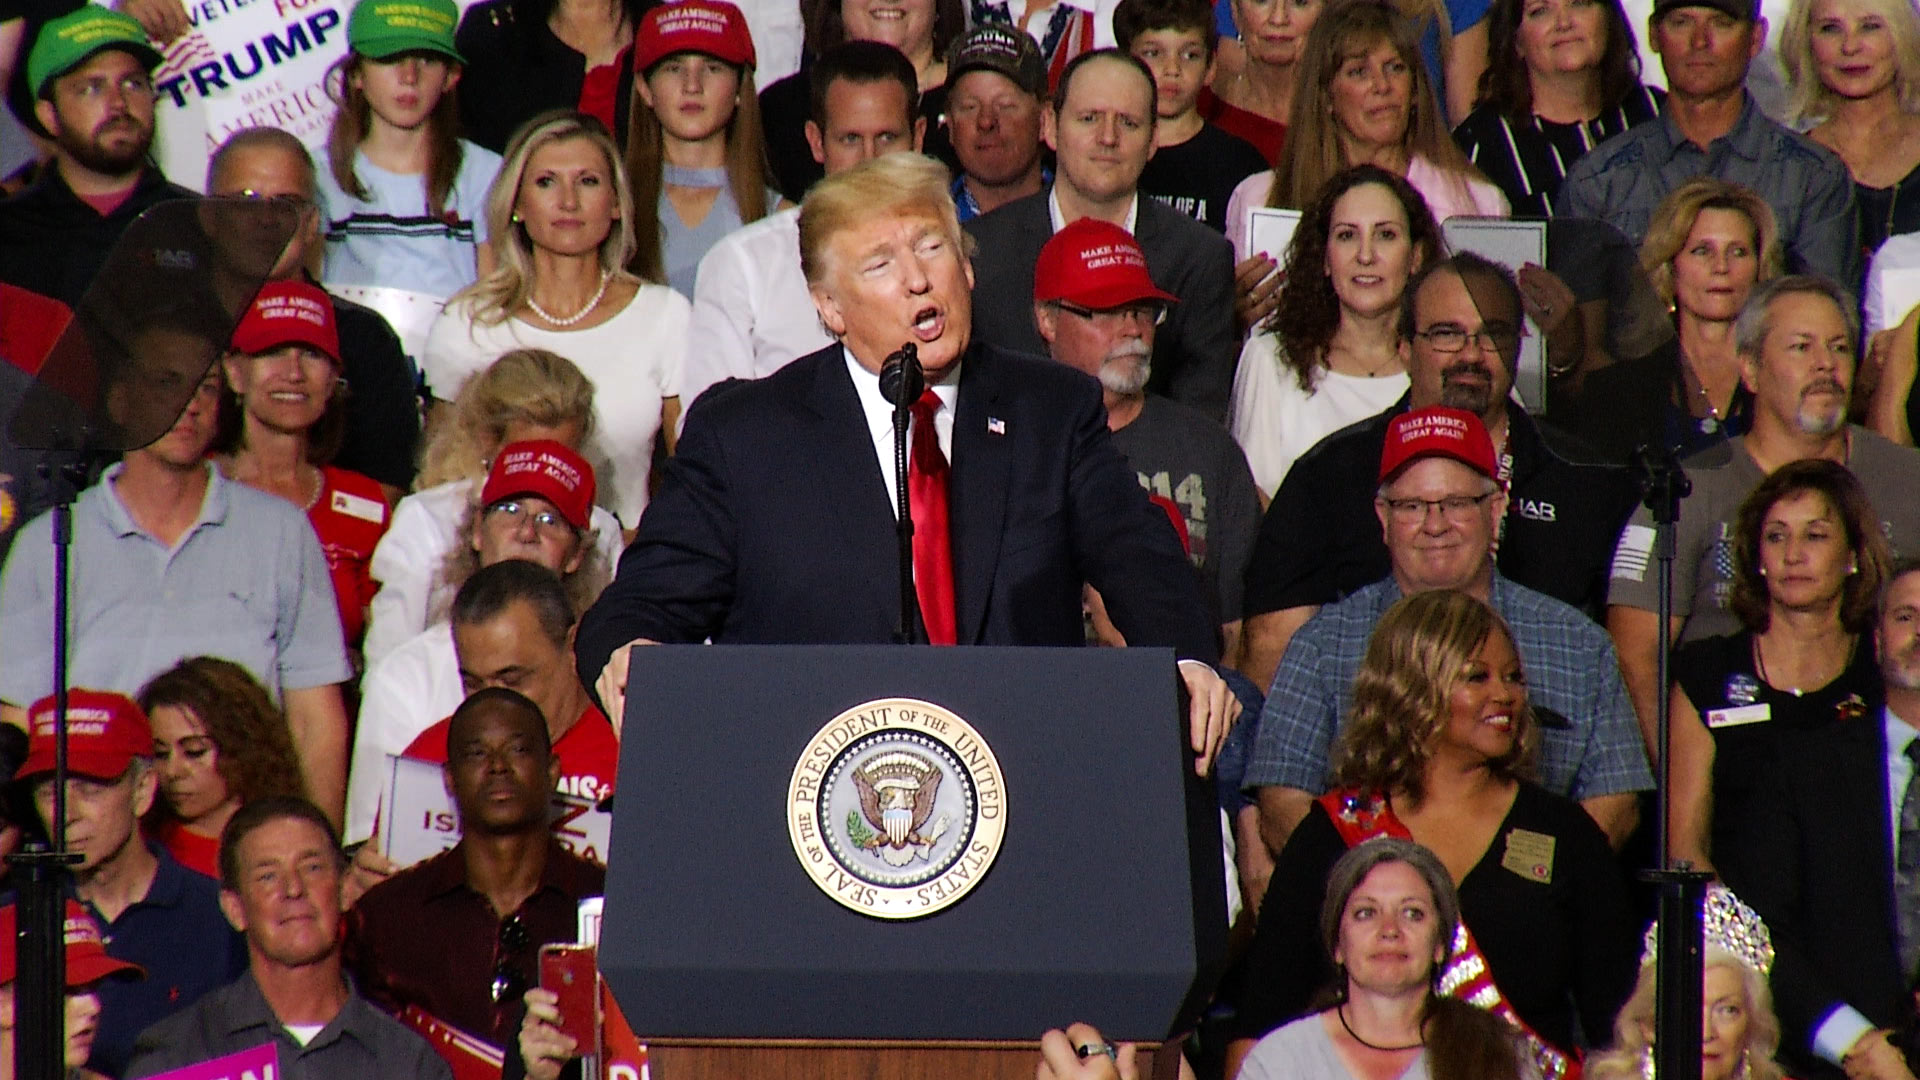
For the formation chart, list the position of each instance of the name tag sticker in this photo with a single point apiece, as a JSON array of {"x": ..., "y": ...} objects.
[
  {"x": 1529, "y": 854},
  {"x": 352, "y": 505},
  {"x": 1744, "y": 714}
]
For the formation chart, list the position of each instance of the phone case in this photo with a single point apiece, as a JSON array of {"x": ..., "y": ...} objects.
[{"x": 570, "y": 972}]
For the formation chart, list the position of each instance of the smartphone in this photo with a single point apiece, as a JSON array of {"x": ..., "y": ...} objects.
[{"x": 570, "y": 971}]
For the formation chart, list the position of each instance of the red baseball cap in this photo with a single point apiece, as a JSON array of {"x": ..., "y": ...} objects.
[
  {"x": 105, "y": 732},
  {"x": 712, "y": 27},
  {"x": 288, "y": 313},
  {"x": 87, "y": 959},
  {"x": 545, "y": 468},
  {"x": 1437, "y": 429},
  {"x": 1095, "y": 264}
]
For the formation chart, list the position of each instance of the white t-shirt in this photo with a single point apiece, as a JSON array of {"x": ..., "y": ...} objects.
[
  {"x": 1901, "y": 252},
  {"x": 633, "y": 359},
  {"x": 1275, "y": 421},
  {"x": 404, "y": 693},
  {"x": 407, "y": 562},
  {"x": 389, "y": 239}
]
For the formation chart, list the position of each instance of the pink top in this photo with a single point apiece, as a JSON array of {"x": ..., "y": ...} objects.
[{"x": 1447, "y": 194}]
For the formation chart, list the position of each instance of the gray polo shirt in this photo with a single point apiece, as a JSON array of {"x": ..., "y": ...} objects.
[
  {"x": 360, "y": 1041},
  {"x": 1622, "y": 181},
  {"x": 247, "y": 582}
]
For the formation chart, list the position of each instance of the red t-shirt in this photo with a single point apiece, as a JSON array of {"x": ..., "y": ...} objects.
[
  {"x": 600, "y": 90},
  {"x": 1267, "y": 136},
  {"x": 189, "y": 848},
  {"x": 589, "y": 754},
  {"x": 350, "y": 517}
]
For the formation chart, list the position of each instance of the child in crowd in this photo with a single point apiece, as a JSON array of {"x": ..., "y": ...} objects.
[
  {"x": 404, "y": 196},
  {"x": 1195, "y": 165},
  {"x": 693, "y": 137}
]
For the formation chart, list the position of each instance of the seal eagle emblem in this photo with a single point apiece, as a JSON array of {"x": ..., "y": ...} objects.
[{"x": 897, "y": 808}]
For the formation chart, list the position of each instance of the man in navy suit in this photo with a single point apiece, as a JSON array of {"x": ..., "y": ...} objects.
[
  {"x": 1820, "y": 860},
  {"x": 774, "y": 523},
  {"x": 1101, "y": 130}
]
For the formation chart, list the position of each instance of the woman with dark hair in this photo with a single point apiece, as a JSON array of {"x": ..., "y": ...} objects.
[
  {"x": 1709, "y": 244},
  {"x": 1362, "y": 97},
  {"x": 1389, "y": 924},
  {"x": 282, "y": 424},
  {"x": 1434, "y": 750},
  {"x": 1808, "y": 559},
  {"x": 526, "y": 57},
  {"x": 921, "y": 29},
  {"x": 694, "y": 152},
  {"x": 218, "y": 743},
  {"x": 1566, "y": 78},
  {"x": 1330, "y": 354}
]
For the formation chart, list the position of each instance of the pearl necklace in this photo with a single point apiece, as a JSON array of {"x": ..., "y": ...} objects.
[{"x": 606, "y": 278}]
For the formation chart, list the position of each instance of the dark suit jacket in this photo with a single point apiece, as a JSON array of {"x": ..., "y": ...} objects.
[
  {"x": 1194, "y": 353},
  {"x": 1816, "y": 861},
  {"x": 773, "y": 525}
]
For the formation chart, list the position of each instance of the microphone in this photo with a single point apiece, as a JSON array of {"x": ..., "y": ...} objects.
[{"x": 901, "y": 378}]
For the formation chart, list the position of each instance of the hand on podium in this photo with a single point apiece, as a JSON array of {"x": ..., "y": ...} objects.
[
  {"x": 612, "y": 683},
  {"x": 1082, "y": 1053}
]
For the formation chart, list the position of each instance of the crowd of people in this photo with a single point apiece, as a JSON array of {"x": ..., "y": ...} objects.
[{"x": 1366, "y": 482}]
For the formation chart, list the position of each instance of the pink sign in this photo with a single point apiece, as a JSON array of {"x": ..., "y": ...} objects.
[{"x": 259, "y": 1063}]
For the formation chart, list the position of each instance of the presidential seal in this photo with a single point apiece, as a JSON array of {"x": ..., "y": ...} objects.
[{"x": 897, "y": 808}]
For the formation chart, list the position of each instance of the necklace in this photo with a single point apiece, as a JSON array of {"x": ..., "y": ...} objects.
[
  {"x": 1711, "y": 422},
  {"x": 1760, "y": 665},
  {"x": 606, "y": 278},
  {"x": 1341, "y": 1012}
]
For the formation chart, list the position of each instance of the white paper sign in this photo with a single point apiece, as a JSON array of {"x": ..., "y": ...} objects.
[
  {"x": 1512, "y": 244},
  {"x": 1899, "y": 294},
  {"x": 411, "y": 314},
  {"x": 246, "y": 63},
  {"x": 1271, "y": 230},
  {"x": 418, "y": 819}
]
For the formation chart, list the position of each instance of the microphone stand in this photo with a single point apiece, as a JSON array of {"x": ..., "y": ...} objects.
[
  {"x": 901, "y": 382},
  {"x": 1678, "y": 967}
]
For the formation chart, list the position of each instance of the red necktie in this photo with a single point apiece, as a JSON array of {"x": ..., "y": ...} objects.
[{"x": 932, "y": 545}]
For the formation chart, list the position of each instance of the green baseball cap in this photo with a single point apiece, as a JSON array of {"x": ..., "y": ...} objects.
[
  {"x": 68, "y": 41},
  {"x": 383, "y": 28}
]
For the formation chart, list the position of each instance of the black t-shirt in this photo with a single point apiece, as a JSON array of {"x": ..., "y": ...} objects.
[
  {"x": 1198, "y": 176},
  {"x": 383, "y": 411},
  {"x": 1321, "y": 539},
  {"x": 1564, "y": 951},
  {"x": 784, "y": 111},
  {"x": 1748, "y": 717}
]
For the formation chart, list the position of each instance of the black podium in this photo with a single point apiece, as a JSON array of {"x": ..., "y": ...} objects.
[{"x": 1104, "y": 901}]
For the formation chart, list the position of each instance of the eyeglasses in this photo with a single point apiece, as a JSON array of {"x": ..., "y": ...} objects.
[
  {"x": 1454, "y": 508},
  {"x": 1452, "y": 339},
  {"x": 509, "y": 979},
  {"x": 1148, "y": 312},
  {"x": 132, "y": 87},
  {"x": 546, "y": 521}
]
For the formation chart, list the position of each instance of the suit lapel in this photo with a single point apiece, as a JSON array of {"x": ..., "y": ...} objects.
[
  {"x": 982, "y": 461},
  {"x": 846, "y": 479}
]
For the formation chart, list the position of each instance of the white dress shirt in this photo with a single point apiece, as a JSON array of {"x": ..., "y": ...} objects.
[
  {"x": 1059, "y": 217},
  {"x": 412, "y": 688},
  {"x": 880, "y": 418},
  {"x": 752, "y": 313}
]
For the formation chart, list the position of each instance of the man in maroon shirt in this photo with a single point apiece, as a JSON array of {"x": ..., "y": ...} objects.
[{"x": 507, "y": 888}]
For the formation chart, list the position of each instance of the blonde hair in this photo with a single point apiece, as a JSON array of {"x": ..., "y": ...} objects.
[
  {"x": 1808, "y": 99},
  {"x": 1313, "y": 153},
  {"x": 495, "y": 297},
  {"x": 526, "y": 385},
  {"x": 1402, "y": 692},
  {"x": 462, "y": 562},
  {"x": 1676, "y": 215},
  {"x": 887, "y": 185},
  {"x": 1633, "y": 1028}
]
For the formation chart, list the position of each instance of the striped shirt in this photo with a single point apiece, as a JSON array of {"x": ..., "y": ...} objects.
[{"x": 1527, "y": 158}]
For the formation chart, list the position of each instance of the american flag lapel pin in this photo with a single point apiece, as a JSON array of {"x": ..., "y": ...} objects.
[{"x": 996, "y": 426}]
